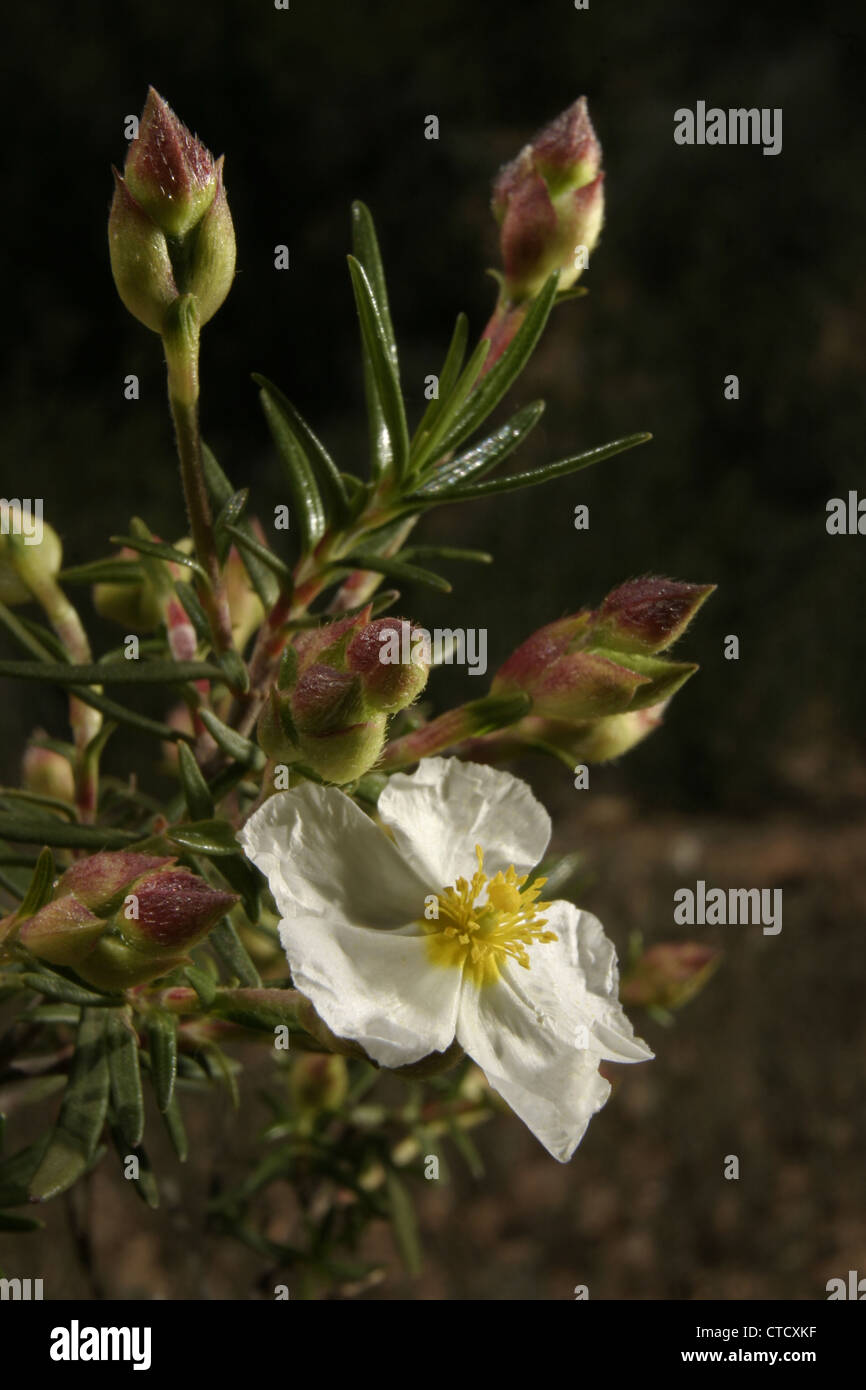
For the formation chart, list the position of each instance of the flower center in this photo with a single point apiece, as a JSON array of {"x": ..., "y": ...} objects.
[{"x": 477, "y": 937}]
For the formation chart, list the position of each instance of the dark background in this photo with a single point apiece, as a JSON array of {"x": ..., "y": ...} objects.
[{"x": 714, "y": 260}]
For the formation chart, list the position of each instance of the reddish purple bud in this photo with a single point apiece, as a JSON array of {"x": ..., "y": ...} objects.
[
  {"x": 567, "y": 152},
  {"x": 99, "y": 881},
  {"x": 391, "y": 662},
  {"x": 549, "y": 202},
  {"x": 647, "y": 615},
  {"x": 168, "y": 171},
  {"x": 171, "y": 909},
  {"x": 328, "y": 643}
]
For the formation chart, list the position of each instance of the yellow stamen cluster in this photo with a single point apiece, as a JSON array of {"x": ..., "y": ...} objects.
[{"x": 478, "y": 936}]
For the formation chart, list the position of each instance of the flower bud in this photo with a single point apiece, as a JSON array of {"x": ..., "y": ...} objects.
[
  {"x": 549, "y": 202},
  {"x": 173, "y": 909},
  {"x": 136, "y": 606},
  {"x": 388, "y": 685},
  {"x": 331, "y": 713},
  {"x": 647, "y": 615},
  {"x": 668, "y": 975},
  {"x": 63, "y": 932},
  {"x": 170, "y": 229},
  {"x": 25, "y": 566},
  {"x": 140, "y": 262},
  {"x": 47, "y": 773},
  {"x": 100, "y": 882},
  {"x": 600, "y": 740},
  {"x": 122, "y": 919},
  {"x": 564, "y": 683},
  {"x": 597, "y": 664}
]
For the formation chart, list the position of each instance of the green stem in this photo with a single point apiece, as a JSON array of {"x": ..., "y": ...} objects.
[
  {"x": 84, "y": 720},
  {"x": 181, "y": 343}
]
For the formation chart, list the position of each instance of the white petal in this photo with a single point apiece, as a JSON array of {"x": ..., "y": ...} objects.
[
  {"x": 551, "y": 1086},
  {"x": 572, "y": 985},
  {"x": 438, "y": 815},
  {"x": 375, "y": 987},
  {"x": 323, "y": 857}
]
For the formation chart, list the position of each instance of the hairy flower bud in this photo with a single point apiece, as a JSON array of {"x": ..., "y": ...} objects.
[
  {"x": 331, "y": 712},
  {"x": 602, "y": 663},
  {"x": 391, "y": 677},
  {"x": 549, "y": 202},
  {"x": 122, "y": 919},
  {"x": 647, "y": 615},
  {"x": 170, "y": 230}
]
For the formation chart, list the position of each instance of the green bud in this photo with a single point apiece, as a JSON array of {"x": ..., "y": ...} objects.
[
  {"x": 63, "y": 932},
  {"x": 170, "y": 228},
  {"x": 25, "y": 561},
  {"x": 47, "y": 773}
]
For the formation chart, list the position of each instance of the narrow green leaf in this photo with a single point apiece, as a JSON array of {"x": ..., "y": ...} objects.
[
  {"x": 221, "y": 490},
  {"x": 395, "y": 569},
  {"x": 56, "y": 987},
  {"x": 109, "y": 571},
  {"x": 233, "y": 954},
  {"x": 48, "y": 803},
  {"x": 119, "y": 673},
  {"x": 513, "y": 482},
  {"x": 40, "y": 887},
  {"x": 49, "y": 831},
  {"x": 446, "y": 552},
  {"x": 231, "y": 742},
  {"x": 161, "y": 550},
  {"x": 307, "y": 505},
  {"x": 37, "y": 646},
  {"x": 209, "y": 837},
  {"x": 365, "y": 245},
  {"x": 383, "y": 364},
  {"x": 17, "y": 1169},
  {"x": 189, "y": 601},
  {"x": 366, "y": 249},
  {"x": 204, "y": 985},
  {"x": 430, "y": 445},
  {"x": 19, "y": 1225},
  {"x": 504, "y": 372},
  {"x": 199, "y": 801},
  {"x": 230, "y": 514},
  {"x": 162, "y": 1045},
  {"x": 323, "y": 467},
  {"x": 145, "y": 1184},
  {"x": 82, "y": 1114},
  {"x": 493, "y": 450},
  {"x": 127, "y": 1098},
  {"x": 246, "y": 880},
  {"x": 220, "y": 1068},
  {"x": 404, "y": 1224},
  {"x": 175, "y": 1127},
  {"x": 447, "y": 379},
  {"x": 130, "y": 717},
  {"x": 248, "y": 546}
]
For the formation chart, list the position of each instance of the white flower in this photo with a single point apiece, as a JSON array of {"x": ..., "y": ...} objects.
[{"x": 532, "y": 998}]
